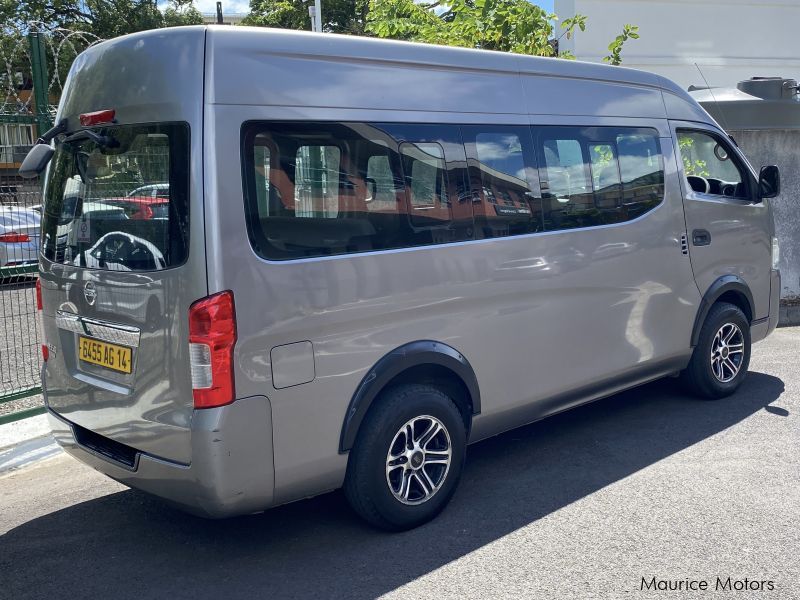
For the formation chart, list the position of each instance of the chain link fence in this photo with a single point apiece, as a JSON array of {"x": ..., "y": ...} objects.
[{"x": 34, "y": 62}]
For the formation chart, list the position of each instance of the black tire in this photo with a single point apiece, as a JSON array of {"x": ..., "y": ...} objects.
[
  {"x": 699, "y": 378},
  {"x": 367, "y": 485}
]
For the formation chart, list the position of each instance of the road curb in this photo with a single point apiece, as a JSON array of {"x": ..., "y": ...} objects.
[
  {"x": 25, "y": 441},
  {"x": 28, "y": 452}
]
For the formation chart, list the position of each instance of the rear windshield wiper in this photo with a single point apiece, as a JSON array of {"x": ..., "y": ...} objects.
[{"x": 104, "y": 141}]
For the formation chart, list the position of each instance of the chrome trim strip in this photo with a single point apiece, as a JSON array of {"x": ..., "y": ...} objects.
[
  {"x": 113, "y": 333},
  {"x": 102, "y": 383}
]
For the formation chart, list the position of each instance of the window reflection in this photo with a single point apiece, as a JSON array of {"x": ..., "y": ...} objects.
[
  {"x": 324, "y": 189},
  {"x": 503, "y": 202},
  {"x": 118, "y": 199},
  {"x": 598, "y": 175}
]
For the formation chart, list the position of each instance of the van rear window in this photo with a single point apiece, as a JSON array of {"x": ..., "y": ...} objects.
[{"x": 100, "y": 210}]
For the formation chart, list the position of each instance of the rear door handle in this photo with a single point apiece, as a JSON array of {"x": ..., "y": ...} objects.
[{"x": 701, "y": 237}]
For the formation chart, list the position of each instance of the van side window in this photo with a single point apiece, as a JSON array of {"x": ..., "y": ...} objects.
[
  {"x": 568, "y": 198},
  {"x": 709, "y": 167},
  {"x": 598, "y": 175},
  {"x": 499, "y": 160},
  {"x": 323, "y": 189}
]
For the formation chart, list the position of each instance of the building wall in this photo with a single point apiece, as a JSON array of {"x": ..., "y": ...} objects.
[
  {"x": 781, "y": 148},
  {"x": 730, "y": 40}
]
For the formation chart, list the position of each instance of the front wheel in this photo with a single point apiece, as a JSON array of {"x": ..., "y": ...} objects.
[
  {"x": 722, "y": 355},
  {"x": 407, "y": 459}
]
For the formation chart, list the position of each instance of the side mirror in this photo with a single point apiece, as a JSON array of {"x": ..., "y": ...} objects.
[
  {"x": 769, "y": 181},
  {"x": 36, "y": 161}
]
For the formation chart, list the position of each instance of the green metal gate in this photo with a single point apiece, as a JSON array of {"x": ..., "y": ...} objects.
[{"x": 28, "y": 99}]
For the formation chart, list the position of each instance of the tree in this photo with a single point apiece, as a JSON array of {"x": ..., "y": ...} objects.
[
  {"x": 508, "y": 25},
  {"x": 73, "y": 25},
  {"x": 338, "y": 16},
  {"x": 103, "y": 18}
]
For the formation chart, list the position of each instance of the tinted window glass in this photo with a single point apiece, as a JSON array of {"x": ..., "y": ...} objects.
[
  {"x": 97, "y": 212},
  {"x": 708, "y": 166},
  {"x": 641, "y": 167},
  {"x": 426, "y": 183},
  {"x": 605, "y": 175},
  {"x": 316, "y": 189},
  {"x": 325, "y": 189},
  {"x": 503, "y": 201},
  {"x": 566, "y": 189},
  {"x": 598, "y": 175},
  {"x": 383, "y": 188}
]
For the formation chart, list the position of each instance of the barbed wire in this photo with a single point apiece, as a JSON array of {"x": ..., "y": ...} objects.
[{"x": 16, "y": 81}]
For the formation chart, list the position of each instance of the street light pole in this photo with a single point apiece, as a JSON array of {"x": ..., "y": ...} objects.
[{"x": 315, "y": 12}]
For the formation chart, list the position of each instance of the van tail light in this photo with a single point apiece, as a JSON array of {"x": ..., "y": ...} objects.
[
  {"x": 39, "y": 306},
  {"x": 14, "y": 238},
  {"x": 212, "y": 336}
]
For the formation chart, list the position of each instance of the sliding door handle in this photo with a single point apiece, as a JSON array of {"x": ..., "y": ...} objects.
[{"x": 701, "y": 237}]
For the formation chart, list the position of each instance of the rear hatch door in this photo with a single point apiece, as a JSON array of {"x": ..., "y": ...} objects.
[{"x": 117, "y": 290}]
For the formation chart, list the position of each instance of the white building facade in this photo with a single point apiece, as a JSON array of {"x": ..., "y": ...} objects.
[{"x": 730, "y": 40}]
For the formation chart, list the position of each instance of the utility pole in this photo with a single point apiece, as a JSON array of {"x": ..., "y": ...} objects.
[{"x": 315, "y": 12}]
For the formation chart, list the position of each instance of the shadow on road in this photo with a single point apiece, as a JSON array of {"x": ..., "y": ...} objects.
[{"x": 129, "y": 545}]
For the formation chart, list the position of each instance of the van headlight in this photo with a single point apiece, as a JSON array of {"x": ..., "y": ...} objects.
[{"x": 776, "y": 253}]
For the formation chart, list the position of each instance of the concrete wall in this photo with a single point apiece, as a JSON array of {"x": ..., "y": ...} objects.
[
  {"x": 781, "y": 148},
  {"x": 731, "y": 40}
]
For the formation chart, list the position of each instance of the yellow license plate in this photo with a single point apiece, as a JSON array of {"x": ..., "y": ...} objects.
[{"x": 110, "y": 356}]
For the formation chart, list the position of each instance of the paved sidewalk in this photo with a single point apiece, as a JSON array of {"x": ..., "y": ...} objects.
[{"x": 24, "y": 442}]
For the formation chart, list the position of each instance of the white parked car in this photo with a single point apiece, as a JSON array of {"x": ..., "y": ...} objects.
[
  {"x": 152, "y": 190},
  {"x": 19, "y": 236}
]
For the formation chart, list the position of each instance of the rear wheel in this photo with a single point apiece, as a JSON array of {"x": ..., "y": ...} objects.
[
  {"x": 407, "y": 459},
  {"x": 722, "y": 355}
]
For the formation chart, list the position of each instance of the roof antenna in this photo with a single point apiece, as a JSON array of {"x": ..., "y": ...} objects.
[
  {"x": 220, "y": 21},
  {"x": 716, "y": 104}
]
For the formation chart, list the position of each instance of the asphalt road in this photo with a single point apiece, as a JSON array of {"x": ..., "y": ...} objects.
[{"x": 583, "y": 505}]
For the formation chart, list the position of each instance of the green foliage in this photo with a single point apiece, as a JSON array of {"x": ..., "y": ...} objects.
[
  {"x": 70, "y": 26},
  {"x": 102, "y": 18},
  {"x": 507, "y": 25},
  {"x": 338, "y": 16},
  {"x": 629, "y": 32},
  {"x": 691, "y": 166}
]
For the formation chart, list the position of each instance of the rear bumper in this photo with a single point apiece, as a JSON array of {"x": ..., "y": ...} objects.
[{"x": 231, "y": 471}]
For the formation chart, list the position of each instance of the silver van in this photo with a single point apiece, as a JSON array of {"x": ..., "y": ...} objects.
[{"x": 373, "y": 253}]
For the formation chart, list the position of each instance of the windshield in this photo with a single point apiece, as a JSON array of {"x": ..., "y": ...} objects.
[{"x": 89, "y": 220}]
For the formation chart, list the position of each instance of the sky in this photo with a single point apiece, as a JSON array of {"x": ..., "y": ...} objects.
[{"x": 243, "y": 6}]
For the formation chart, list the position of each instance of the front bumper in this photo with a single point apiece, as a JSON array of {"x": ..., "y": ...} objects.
[{"x": 231, "y": 471}]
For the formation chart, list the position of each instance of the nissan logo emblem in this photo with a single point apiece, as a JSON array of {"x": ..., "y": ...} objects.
[{"x": 90, "y": 293}]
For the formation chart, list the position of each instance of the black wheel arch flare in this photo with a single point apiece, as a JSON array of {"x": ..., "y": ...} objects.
[
  {"x": 720, "y": 287},
  {"x": 407, "y": 356}
]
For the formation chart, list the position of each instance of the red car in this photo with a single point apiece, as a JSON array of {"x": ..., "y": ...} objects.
[{"x": 141, "y": 207}]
